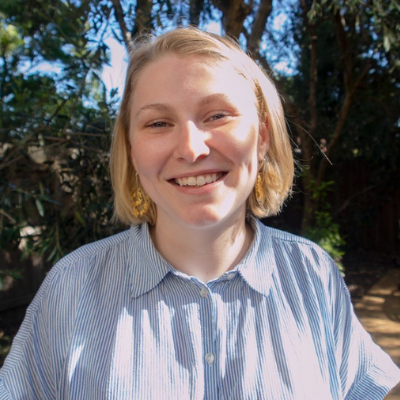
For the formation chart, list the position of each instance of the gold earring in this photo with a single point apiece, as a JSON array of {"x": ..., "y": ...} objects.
[
  {"x": 140, "y": 201},
  {"x": 259, "y": 188}
]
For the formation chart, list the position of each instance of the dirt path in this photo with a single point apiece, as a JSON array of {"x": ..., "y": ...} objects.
[{"x": 379, "y": 312}]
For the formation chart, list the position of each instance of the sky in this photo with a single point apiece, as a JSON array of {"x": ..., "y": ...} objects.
[{"x": 113, "y": 75}]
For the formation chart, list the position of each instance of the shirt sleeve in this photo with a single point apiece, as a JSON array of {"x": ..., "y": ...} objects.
[
  {"x": 366, "y": 371},
  {"x": 27, "y": 372},
  {"x": 4, "y": 394},
  {"x": 37, "y": 363}
]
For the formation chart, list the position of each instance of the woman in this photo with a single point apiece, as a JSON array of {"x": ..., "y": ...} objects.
[{"x": 198, "y": 299}]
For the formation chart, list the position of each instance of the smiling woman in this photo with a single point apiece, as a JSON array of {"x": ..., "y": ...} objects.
[
  {"x": 197, "y": 299},
  {"x": 233, "y": 68}
]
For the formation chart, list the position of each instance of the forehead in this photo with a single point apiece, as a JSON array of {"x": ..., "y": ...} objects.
[{"x": 172, "y": 75}]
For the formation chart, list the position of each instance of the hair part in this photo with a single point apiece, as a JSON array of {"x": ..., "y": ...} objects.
[{"x": 276, "y": 170}]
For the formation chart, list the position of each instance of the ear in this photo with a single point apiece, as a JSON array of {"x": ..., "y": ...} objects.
[{"x": 263, "y": 139}]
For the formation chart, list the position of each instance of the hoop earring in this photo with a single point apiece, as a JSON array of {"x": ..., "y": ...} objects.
[{"x": 140, "y": 201}]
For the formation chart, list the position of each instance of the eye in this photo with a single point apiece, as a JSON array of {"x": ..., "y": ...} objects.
[
  {"x": 157, "y": 124},
  {"x": 218, "y": 116}
]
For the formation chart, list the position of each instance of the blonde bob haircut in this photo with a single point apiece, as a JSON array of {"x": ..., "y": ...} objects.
[{"x": 276, "y": 170}]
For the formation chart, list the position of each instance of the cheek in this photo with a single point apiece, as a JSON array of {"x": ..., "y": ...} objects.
[
  {"x": 139, "y": 155},
  {"x": 146, "y": 156},
  {"x": 243, "y": 145}
]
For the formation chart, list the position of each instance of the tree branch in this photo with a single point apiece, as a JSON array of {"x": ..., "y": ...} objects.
[
  {"x": 234, "y": 17},
  {"x": 260, "y": 20},
  {"x": 119, "y": 16},
  {"x": 143, "y": 16},
  {"x": 348, "y": 101},
  {"x": 346, "y": 58},
  {"x": 350, "y": 89},
  {"x": 347, "y": 202},
  {"x": 312, "y": 99},
  {"x": 195, "y": 7}
]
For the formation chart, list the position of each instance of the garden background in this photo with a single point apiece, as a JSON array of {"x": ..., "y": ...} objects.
[{"x": 335, "y": 63}]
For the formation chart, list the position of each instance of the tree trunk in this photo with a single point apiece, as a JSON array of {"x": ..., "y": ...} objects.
[
  {"x": 119, "y": 16},
  {"x": 234, "y": 16}
]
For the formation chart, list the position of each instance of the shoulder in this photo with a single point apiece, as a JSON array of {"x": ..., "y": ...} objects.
[
  {"x": 285, "y": 241},
  {"x": 91, "y": 255},
  {"x": 99, "y": 249},
  {"x": 283, "y": 236},
  {"x": 41, "y": 346},
  {"x": 300, "y": 260},
  {"x": 68, "y": 277}
]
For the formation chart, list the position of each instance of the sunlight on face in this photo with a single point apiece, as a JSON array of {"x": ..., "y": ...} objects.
[{"x": 196, "y": 140}]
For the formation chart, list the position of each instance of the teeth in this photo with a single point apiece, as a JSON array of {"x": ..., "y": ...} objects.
[{"x": 200, "y": 180}]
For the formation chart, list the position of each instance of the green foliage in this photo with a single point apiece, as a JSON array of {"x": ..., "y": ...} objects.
[
  {"x": 56, "y": 116},
  {"x": 55, "y": 125},
  {"x": 324, "y": 231}
]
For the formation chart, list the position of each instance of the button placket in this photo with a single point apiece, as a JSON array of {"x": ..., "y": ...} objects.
[
  {"x": 231, "y": 276},
  {"x": 203, "y": 292},
  {"x": 209, "y": 358},
  {"x": 207, "y": 312}
]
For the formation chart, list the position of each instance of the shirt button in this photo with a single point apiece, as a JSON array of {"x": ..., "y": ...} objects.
[
  {"x": 231, "y": 276},
  {"x": 210, "y": 358},
  {"x": 203, "y": 292}
]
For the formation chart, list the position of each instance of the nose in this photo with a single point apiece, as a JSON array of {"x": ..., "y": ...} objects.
[{"x": 191, "y": 143}]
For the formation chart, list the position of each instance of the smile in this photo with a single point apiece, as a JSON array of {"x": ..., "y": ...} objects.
[{"x": 199, "y": 180}]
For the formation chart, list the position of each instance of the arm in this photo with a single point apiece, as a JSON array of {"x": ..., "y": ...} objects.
[
  {"x": 27, "y": 371},
  {"x": 366, "y": 371}
]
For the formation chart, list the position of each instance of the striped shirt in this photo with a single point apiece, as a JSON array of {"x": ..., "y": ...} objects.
[{"x": 113, "y": 320}]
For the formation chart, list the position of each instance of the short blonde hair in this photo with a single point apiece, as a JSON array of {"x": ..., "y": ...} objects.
[{"x": 277, "y": 169}]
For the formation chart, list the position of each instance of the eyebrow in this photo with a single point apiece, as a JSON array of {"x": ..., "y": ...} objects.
[
  {"x": 214, "y": 97},
  {"x": 153, "y": 106},
  {"x": 204, "y": 101}
]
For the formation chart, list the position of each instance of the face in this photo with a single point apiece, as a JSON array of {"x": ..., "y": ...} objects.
[{"x": 196, "y": 140}]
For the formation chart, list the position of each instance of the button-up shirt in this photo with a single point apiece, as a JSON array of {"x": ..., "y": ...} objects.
[{"x": 114, "y": 320}]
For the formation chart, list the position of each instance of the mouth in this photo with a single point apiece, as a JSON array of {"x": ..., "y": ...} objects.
[{"x": 199, "y": 180}]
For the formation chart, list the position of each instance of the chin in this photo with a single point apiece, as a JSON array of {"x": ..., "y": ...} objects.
[
  {"x": 209, "y": 219},
  {"x": 201, "y": 221}
]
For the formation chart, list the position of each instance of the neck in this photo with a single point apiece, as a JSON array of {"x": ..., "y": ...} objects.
[{"x": 205, "y": 253}]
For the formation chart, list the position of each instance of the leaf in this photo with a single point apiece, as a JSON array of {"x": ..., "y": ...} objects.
[
  {"x": 386, "y": 43},
  {"x": 40, "y": 207},
  {"x": 80, "y": 219},
  {"x": 52, "y": 255}
]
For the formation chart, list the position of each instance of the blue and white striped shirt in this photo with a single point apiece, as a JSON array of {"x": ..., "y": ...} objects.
[{"x": 113, "y": 320}]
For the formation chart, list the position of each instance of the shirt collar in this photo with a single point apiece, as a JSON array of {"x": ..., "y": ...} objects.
[
  {"x": 149, "y": 268},
  {"x": 259, "y": 262}
]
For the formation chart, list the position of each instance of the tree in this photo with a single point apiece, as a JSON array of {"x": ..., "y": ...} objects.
[
  {"x": 348, "y": 47},
  {"x": 341, "y": 54},
  {"x": 54, "y": 134}
]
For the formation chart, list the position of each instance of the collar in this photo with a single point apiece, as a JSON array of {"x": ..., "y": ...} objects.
[{"x": 149, "y": 268}]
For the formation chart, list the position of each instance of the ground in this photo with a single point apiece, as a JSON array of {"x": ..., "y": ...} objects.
[{"x": 363, "y": 269}]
